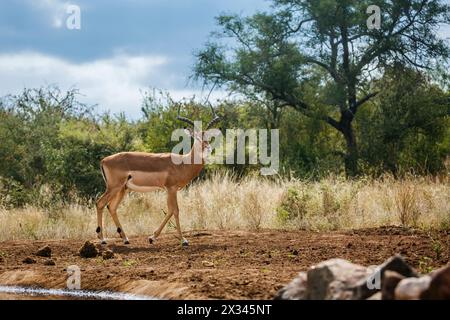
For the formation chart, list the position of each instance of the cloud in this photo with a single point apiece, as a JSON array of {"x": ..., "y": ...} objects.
[
  {"x": 55, "y": 9},
  {"x": 115, "y": 83}
]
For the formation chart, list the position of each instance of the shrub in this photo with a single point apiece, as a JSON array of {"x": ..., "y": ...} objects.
[
  {"x": 293, "y": 205},
  {"x": 13, "y": 194}
]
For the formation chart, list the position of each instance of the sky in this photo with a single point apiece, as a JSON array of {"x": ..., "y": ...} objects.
[{"x": 123, "y": 48}]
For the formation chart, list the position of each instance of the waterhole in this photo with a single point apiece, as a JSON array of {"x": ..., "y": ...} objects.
[{"x": 24, "y": 293}]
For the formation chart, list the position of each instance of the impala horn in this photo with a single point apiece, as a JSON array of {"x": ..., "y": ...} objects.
[
  {"x": 188, "y": 121},
  {"x": 215, "y": 120}
]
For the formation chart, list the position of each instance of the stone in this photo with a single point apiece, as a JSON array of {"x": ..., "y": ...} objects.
[
  {"x": 389, "y": 284},
  {"x": 45, "y": 252},
  {"x": 439, "y": 288},
  {"x": 49, "y": 262},
  {"x": 363, "y": 291},
  {"x": 412, "y": 288},
  {"x": 29, "y": 260},
  {"x": 296, "y": 290},
  {"x": 88, "y": 250},
  {"x": 334, "y": 280},
  {"x": 107, "y": 255}
]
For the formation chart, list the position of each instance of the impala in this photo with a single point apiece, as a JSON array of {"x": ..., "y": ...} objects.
[{"x": 146, "y": 172}]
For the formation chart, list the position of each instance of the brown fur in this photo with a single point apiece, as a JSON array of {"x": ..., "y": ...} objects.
[{"x": 146, "y": 170}]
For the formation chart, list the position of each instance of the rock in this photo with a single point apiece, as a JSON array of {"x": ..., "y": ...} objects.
[
  {"x": 45, "y": 252},
  {"x": 399, "y": 265},
  {"x": 363, "y": 290},
  {"x": 412, "y": 288},
  {"x": 88, "y": 250},
  {"x": 390, "y": 282},
  {"x": 439, "y": 288},
  {"x": 29, "y": 260},
  {"x": 49, "y": 262},
  {"x": 334, "y": 280},
  {"x": 107, "y": 255},
  {"x": 296, "y": 290}
]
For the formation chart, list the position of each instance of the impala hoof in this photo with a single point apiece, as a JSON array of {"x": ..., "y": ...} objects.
[
  {"x": 185, "y": 243},
  {"x": 126, "y": 242},
  {"x": 152, "y": 240},
  {"x": 103, "y": 242}
]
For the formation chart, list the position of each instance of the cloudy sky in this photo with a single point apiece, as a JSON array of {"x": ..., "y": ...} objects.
[{"x": 122, "y": 49}]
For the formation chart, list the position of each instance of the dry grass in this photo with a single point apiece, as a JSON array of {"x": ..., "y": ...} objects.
[{"x": 254, "y": 203}]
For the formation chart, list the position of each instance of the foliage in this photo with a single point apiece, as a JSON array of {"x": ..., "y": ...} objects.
[
  {"x": 52, "y": 144},
  {"x": 318, "y": 57}
]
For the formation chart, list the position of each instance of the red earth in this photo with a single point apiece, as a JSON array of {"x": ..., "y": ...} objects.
[{"x": 217, "y": 264}]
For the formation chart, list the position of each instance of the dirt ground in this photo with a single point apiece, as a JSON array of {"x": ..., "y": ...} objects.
[{"x": 217, "y": 264}]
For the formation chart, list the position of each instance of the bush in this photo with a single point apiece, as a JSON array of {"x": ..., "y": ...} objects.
[
  {"x": 293, "y": 206},
  {"x": 13, "y": 194}
]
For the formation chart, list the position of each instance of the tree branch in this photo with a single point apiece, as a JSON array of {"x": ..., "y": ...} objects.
[{"x": 359, "y": 103}]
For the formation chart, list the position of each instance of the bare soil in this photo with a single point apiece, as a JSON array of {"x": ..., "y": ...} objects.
[{"x": 217, "y": 264}]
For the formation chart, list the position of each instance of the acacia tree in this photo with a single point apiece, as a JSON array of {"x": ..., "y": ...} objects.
[{"x": 319, "y": 57}]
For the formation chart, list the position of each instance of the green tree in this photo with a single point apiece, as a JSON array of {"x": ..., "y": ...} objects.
[
  {"x": 318, "y": 57},
  {"x": 405, "y": 128}
]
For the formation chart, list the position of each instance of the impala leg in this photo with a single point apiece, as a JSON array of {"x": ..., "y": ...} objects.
[
  {"x": 184, "y": 242},
  {"x": 157, "y": 233},
  {"x": 101, "y": 204},
  {"x": 176, "y": 213},
  {"x": 113, "y": 205},
  {"x": 171, "y": 198},
  {"x": 173, "y": 207}
]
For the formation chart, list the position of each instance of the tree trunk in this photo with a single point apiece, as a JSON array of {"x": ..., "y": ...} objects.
[{"x": 351, "y": 157}]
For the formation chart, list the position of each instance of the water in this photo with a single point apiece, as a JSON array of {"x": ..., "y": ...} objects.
[{"x": 7, "y": 292}]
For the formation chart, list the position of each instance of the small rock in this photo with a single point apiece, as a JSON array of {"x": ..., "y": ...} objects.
[
  {"x": 391, "y": 280},
  {"x": 45, "y": 252},
  {"x": 107, "y": 255},
  {"x": 412, "y": 288},
  {"x": 296, "y": 290},
  {"x": 88, "y": 250},
  {"x": 29, "y": 260},
  {"x": 49, "y": 262},
  {"x": 208, "y": 264},
  {"x": 439, "y": 288}
]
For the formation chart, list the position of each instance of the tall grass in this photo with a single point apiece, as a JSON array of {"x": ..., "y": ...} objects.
[{"x": 223, "y": 203}]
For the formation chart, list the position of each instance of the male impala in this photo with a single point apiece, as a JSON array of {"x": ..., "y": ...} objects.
[{"x": 145, "y": 172}]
